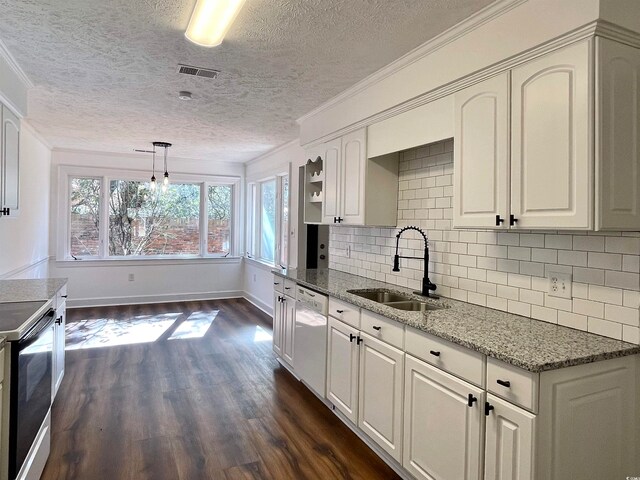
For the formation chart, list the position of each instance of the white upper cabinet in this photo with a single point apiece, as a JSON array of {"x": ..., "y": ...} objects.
[
  {"x": 350, "y": 188},
  {"x": 617, "y": 136},
  {"x": 9, "y": 160},
  {"x": 332, "y": 179},
  {"x": 482, "y": 154},
  {"x": 551, "y": 154},
  {"x": 561, "y": 112}
]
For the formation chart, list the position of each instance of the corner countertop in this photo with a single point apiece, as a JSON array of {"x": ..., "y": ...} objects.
[
  {"x": 30, "y": 290},
  {"x": 527, "y": 343}
]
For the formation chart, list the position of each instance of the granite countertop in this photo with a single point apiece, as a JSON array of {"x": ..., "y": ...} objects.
[
  {"x": 524, "y": 342},
  {"x": 30, "y": 290}
]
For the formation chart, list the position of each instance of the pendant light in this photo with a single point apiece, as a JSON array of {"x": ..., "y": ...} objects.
[
  {"x": 165, "y": 180},
  {"x": 153, "y": 172}
]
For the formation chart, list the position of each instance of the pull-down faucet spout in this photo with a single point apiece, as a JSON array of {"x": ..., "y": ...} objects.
[{"x": 426, "y": 283}]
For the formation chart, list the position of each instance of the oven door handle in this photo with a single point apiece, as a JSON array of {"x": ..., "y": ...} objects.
[{"x": 45, "y": 322}]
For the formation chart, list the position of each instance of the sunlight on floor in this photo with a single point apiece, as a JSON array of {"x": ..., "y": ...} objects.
[
  {"x": 110, "y": 332},
  {"x": 262, "y": 335},
  {"x": 195, "y": 326}
]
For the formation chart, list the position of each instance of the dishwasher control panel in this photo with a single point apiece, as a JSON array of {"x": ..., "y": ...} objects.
[{"x": 313, "y": 300}]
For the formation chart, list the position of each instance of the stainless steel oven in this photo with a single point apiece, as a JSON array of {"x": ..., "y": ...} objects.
[{"x": 30, "y": 395}]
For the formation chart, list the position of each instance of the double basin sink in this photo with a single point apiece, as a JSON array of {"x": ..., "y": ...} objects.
[{"x": 395, "y": 300}]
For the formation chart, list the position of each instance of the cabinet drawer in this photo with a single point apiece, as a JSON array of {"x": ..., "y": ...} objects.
[
  {"x": 289, "y": 287},
  {"x": 513, "y": 384},
  {"x": 448, "y": 356},
  {"x": 382, "y": 328},
  {"x": 345, "y": 312},
  {"x": 278, "y": 284},
  {"x": 61, "y": 296}
]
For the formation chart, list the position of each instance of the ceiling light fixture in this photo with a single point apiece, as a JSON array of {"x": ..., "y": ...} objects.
[
  {"x": 165, "y": 181},
  {"x": 211, "y": 20},
  {"x": 184, "y": 95}
]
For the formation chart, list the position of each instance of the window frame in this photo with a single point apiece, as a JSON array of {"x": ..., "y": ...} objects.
[{"x": 106, "y": 175}]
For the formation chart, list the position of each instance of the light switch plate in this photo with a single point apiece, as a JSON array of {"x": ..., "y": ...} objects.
[{"x": 560, "y": 284}]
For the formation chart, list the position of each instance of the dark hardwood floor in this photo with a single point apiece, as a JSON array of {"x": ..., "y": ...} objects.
[{"x": 216, "y": 407}]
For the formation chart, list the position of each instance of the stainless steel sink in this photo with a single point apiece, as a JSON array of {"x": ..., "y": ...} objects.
[
  {"x": 414, "y": 306},
  {"x": 395, "y": 300},
  {"x": 380, "y": 297}
]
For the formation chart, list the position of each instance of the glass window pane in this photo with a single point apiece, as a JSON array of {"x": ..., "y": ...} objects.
[
  {"x": 146, "y": 222},
  {"x": 284, "y": 229},
  {"x": 85, "y": 217},
  {"x": 220, "y": 204},
  {"x": 268, "y": 220}
]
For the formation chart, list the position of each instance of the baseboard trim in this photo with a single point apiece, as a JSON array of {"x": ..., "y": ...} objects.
[
  {"x": 24, "y": 268},
  {"x": 143, "y": 299},
  {"x": 256, "y": 302}
]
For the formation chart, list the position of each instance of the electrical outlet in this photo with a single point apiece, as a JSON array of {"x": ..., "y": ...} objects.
[
  {"x": 560, "y": 284},
  {"x": 132, "y": 277}
]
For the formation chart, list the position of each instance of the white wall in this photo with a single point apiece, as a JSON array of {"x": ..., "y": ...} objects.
[
  {"x": 258, "y": 280},
  {"x": 501, "y": 270},
  {"x": 107, "y": 282},
  {"x": 24, "y": 239}
]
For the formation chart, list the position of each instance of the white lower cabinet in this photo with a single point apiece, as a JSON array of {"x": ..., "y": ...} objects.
[
  {"x": 284, "y": 320},
  {"x": 343, "y": 356},
  {"x": 443, "y": 434},
  {"x": 380, "y": 394},
  {"x": 509, "y": 441},
  {"x": 58, "y": 348}
]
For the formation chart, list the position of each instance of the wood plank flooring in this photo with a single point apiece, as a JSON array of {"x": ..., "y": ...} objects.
[{"x": 216, "y": 407}]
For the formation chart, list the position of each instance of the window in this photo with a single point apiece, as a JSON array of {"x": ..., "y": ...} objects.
[
  {"x": 115, "y": 217},
  {"x": 268, "y": 220},
  {"x": 85, "y": 217}
]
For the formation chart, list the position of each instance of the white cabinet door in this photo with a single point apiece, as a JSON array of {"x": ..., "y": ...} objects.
[
  {"x": 618, "y": 136},
  {"x": 332, "y": 178},
  {"x": 442, "y": 424},
  {"x": 342, "y": 368},
  {"x": 10, "y": 156},
  {"x": 354, "y": 163},
  {"x": 481, "y": 155},
  {"x": 58, "y": 348},
  {"x": 380, "y": 394},
  {"x": 552, "y": 147},
  {"x": 277, "y": 324},
  {"x": 509, "y": 442},
  {"x": 288, "y": 328}
]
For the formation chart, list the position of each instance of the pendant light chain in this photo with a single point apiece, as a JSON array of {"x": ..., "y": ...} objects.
[{"x": 165, "y": 181}]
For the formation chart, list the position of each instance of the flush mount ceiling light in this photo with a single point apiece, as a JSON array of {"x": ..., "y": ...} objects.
[
  {"x": 184, "y": 95},
  {"x": 211, "y": 20}
]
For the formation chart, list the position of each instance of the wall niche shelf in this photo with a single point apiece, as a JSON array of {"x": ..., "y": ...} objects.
[{"x": 314, "y": 195}]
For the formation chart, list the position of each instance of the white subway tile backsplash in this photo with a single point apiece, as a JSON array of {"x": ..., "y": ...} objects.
[{"x": 503, "y": 270}]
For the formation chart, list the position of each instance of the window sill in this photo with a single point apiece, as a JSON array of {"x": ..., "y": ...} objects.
[
  {"x": 261, "y": 264},
  {"x": 120, "y": 262}
]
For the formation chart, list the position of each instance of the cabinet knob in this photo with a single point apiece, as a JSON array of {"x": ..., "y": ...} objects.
[
  {"x": 5, "y": 211},
  {"x": 64, "y": 296},
  {"x": 352, "y": 337},
  {"x": 276, "y": 283},
  {"x": 512, "y": 220},
  {"x": 376, "y": 327},
  {"x": 499, "y": 220},
  {"x": 434, "y": 353},
  {"x": 340, "y": 311},
  {"x": 359, "y": 340},
  {"x": 59, "y": 320},
  {"x": 487, "y": 408},
  {"x": 471, "y": 400},
  {"x": 504, "y": 383}
]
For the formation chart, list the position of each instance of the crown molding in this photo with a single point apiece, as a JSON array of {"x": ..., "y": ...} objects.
[
  {"x": 581, "y": 33},
  {"x": 461, "y": 29},
  {"x": 25, "y": 124},
  {"x": 273, "y": 151},
  {"x": 13, "y": 64},
  {"x": 619, "y": 34}
]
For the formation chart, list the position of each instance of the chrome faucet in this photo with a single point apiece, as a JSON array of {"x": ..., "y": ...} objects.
[{"x": 426, "y": 283}]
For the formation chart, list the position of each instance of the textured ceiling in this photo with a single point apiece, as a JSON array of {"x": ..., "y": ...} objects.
[{"x": 105, "y": 70}]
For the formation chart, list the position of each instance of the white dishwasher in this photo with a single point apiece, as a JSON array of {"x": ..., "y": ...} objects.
[{"x": 310, "y": 356}]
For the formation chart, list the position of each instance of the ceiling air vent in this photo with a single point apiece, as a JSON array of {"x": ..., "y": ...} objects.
[{"x": 197, "y": 71}]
